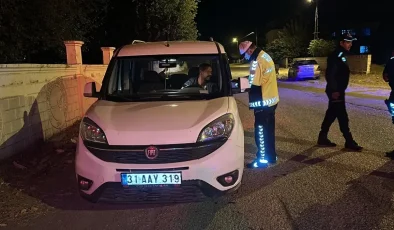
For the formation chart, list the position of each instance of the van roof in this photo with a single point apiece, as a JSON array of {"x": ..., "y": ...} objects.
[{"x": 175, "y": 47}]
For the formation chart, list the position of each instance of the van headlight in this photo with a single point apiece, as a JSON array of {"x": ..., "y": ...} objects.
[
  {"x": 219, "y": 128},
  {"x": 90, "y": 131}
]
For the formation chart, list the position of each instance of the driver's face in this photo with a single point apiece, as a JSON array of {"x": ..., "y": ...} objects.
[{"x": 206, "y": 74}]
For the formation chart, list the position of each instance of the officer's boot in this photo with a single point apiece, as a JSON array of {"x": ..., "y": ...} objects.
[
  {"x": 351, "y": 144},
  {"x": 323, "y": 140}
]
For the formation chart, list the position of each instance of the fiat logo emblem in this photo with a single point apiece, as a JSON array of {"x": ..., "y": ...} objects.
[{"x": 151, "y": 152}]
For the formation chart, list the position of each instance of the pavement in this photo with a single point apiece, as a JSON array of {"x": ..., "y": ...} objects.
[{"x": 310, "y": 187}]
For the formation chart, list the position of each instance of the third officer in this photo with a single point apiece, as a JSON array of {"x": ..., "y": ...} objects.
[
  {"x": 337, "y": 77},
  {"x": 388, "y": 76}
]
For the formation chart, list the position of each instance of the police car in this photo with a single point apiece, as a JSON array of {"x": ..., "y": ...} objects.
[{"x": 150, "y": 139}]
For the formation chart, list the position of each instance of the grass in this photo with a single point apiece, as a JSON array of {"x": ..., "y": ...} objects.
[{"x": 373, "y": 79}]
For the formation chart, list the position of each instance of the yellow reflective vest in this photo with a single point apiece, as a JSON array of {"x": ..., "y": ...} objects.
[{"x": 263, "y": 78}]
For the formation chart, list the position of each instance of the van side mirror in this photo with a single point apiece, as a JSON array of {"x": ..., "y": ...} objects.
[
  {"x": 90, "y": 90},
  {"x": 240, "y": 85}
]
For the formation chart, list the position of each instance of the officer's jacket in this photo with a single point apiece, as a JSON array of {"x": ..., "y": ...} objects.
[
  {"x": 337, "y": 72},
  {"x": 262, "y": 78},
  {"x": 389, "y": 69}
]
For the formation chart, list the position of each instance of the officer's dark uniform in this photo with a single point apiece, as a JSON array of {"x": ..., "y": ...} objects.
[
  {"x": 337, "y": 77},
  {"x": 388, "y": 73}
]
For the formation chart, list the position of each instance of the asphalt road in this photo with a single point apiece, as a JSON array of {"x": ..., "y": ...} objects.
[{"x": 310, "y": 187}]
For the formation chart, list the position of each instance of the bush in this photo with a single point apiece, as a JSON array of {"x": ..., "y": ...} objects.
[
  {"x": 286, "y": 47},
  {"x": 321, "y": 47}
]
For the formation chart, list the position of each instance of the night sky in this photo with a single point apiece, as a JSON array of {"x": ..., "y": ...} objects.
[{"x": 225, "y": 19}]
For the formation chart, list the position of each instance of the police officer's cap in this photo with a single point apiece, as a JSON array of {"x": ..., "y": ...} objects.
[{"x": 347, "y": 37}]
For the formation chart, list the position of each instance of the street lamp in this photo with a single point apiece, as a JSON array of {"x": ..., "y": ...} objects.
[
  {"x": 235, "y": 40},
  {"x": 316, "y": 32},
  {"x": 249, "y": 35}
]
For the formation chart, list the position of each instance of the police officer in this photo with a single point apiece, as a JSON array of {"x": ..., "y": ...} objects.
[
  {"x": 337, "y": 77},
  {"x": 388, "y": 76},
  {"x": 263, "y": 99}
]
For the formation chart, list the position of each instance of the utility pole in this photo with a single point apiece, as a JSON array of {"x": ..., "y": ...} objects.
[
  {"x": 255, "y": 32},
  {"x": 316, "y": 33}
]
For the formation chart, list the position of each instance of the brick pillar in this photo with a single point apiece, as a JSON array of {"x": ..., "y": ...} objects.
[
  {"x": 74, "y": 53},
  {"x": 108, "y": 52}
]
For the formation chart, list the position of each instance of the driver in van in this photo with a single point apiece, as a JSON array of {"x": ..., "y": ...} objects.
[{"x": 205, "y": 73}]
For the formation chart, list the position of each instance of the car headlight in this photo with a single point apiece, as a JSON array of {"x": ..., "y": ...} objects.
[
  {"x": 90, "y": 131},
  {"x": 219, "y": 128}
]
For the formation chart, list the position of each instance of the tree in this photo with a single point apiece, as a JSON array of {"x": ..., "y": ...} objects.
[
  {"x": 320, "y": 47},
  {"x": 31, "y": 28},
  {"x": 166, "y": 19},
  {"x": 297, "y": 27},
  {"x": 292, "y": 41},
  {"x": 285, "y": 47},
  {"x": 12, "y": 32}
]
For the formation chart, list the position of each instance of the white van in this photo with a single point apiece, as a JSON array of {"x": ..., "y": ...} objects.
[{"x": 149, "y": 138}]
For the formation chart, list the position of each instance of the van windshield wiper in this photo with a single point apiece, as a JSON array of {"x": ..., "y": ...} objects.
[
  {"x": 123, "y": 97},
  {"x": 149, "y": 97}
]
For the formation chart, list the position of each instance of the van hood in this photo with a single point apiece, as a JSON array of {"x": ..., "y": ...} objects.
[{"x": 155, "y": 123}]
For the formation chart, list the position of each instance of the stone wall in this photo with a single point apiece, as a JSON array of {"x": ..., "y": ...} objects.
[
  {"x": 360, "y": 64},
  {"x": 38, "y": 101}
]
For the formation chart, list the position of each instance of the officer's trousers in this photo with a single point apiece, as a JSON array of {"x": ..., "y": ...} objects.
[
  {"x": 391, "y": 98},
  {"x": 390, "y": 102},
  {"x": 265, "y": 133},
  {"x": 336, "y": 109}
]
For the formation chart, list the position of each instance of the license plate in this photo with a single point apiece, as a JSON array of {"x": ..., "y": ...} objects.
[{"x": 129, "y": 179}]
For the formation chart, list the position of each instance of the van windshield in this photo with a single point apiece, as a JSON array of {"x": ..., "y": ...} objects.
[{"x": 165, "y": 77}]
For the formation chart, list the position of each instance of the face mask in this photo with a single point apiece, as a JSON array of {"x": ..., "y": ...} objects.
[{"x": 247, "y": 56}]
